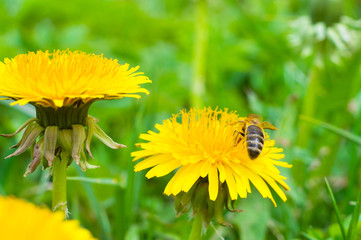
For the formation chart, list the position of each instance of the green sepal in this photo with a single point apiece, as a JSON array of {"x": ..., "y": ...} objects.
[
  {"x": 45, "y": 164},
  {"x": 27, "y": 131},
  {"x": 32, "y": 133},
  {"x": 65, "y": 156},
  {"x": 198, "y": 199},
  {"x": 65, "y": 140},
  {"x": 183, "y": 200},
  {"x": 82, "y": 160},
  {"x": 90, "y": 122},
  {"x": 208, "y": 214},
  {"x": 50, "y": 140},
  {"x": 79, "y": 136},
  {"x": 90, "y": 166},
  {"x": 84, "y": 165},
  {"x": 219, "y": 205},
  {"x": 25, "y": 124},
  {"x": 37, "y": 156},
  {"x": 178, "y": 205},
  {"x": 101, "y": 135},
  {"x": 200, "y": 196}
]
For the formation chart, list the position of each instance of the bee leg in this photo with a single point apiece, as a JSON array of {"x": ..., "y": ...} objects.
[{"x": 238, "y": 137}]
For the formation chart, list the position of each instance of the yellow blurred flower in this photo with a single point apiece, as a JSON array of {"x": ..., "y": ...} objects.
[
  {"x": 22, "y": 220},
  {"x": 202, "y": 147},
  {"x": 62, "y": 78}
]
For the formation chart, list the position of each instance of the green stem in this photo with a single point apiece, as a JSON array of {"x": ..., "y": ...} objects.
[
  {"x": 59, "y": 185},
  {"x": 199, "y": 61},
  {"x": 196, "y": 233},
  {"x": 305, "y": 130}
]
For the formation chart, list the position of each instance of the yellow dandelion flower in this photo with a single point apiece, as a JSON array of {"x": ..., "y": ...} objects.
[
  {"x": 23, "y": 220},
  {"x": 203, "y": 146},
  {"x": 61, "y": 78},
  {"x": 62, "y": 85}
]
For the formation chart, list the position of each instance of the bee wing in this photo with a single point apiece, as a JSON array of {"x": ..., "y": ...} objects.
[
  {"x": 251, "y": 116},
  {"x": 268, "y": 125}
]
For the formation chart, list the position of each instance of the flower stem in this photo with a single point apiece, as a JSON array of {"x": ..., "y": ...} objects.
[
  {"x": 196, "y": 233},
  {"x": 59, "y": 185}
]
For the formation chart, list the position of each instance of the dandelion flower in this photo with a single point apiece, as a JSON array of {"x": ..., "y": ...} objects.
[
  {"x": 62, "y": 85},
  {"x": 200, "y": 145},
  {"x": 23, "y": 220},
  {"x": 63, "y": 78}
]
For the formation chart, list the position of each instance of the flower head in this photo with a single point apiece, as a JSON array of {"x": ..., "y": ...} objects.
[
  {"x": 203, "y": 147},
  {"x": 61, "y": 78},
  {"x": 61, "y": 86},
  {"x": 22, "y": 220}
]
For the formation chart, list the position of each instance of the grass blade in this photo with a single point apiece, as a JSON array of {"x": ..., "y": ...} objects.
[
  {"x": 342, "y": 228},
  {"x": 104, "y": 181},
  {"x": 355, "y": 217},
  {"x": 346, "y": 134},
  {"x": 305, "y": 235}
]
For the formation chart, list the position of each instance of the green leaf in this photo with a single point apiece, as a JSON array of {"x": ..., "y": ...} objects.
[{"x": 346, "y": 134}]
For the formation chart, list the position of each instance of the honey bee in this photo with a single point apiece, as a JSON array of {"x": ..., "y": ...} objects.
[{"x": 252, "y": 129}]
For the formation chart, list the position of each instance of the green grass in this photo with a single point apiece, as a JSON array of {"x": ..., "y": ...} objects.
[{"x": 250, "y": 56}]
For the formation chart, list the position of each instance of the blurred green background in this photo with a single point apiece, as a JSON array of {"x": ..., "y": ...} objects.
[{"x": 278, "y": 59}]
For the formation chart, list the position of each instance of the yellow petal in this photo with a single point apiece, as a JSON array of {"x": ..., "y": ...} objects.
[
  {"x": 52, "y": 79},
  {"x": 153, "y": 161},
  {"x": 175, "y": 185},
  {"x": 275, "y": 187},
  {"x": 213, "y": 183},
  {"x": 231, "y": 183},
  {"x": 192, "y": 177},
  {"x": 142, "y": 154},
  {"x": 163, "y": 169}
]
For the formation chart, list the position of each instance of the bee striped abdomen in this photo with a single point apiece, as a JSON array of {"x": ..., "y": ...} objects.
[{"x": 255, "y": 140}]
